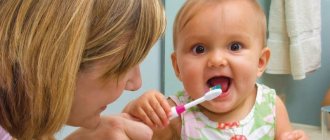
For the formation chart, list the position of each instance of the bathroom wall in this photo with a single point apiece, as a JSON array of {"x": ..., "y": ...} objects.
[
  {"x": 302, "y": 97},
  {"x": 171, "y": 83}
]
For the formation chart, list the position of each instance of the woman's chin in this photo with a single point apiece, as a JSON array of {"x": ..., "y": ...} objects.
[{"x": 92, "y": 123}]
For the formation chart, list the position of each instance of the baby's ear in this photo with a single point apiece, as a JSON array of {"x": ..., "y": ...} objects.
[
  {"x": 175, "y": 65},
  {"x": 263, "y": 61}
]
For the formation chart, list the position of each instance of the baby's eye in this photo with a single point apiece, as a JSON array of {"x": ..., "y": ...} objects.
[
  {"x": 235, "y": 46},
  {"x": 198, "y": 49}
]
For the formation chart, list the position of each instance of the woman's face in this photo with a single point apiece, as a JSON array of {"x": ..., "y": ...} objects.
[{"x": 93, "y": 94}]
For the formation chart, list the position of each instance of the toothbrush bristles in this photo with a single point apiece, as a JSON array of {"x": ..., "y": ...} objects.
[{"x": 216, "y": 87}]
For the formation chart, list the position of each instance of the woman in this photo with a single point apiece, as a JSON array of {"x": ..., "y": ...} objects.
[{"x": 63, "y": 61}]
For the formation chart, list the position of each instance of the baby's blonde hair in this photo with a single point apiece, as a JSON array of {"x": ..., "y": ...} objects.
[
  {"x": 45, "y": 43},
  {"x": 191, "y": 7}
]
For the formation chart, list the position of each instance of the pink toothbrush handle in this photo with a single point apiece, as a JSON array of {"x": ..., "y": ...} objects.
[
  {"x": 176, "y": 111},
  {"x": 180, "y": 109}
]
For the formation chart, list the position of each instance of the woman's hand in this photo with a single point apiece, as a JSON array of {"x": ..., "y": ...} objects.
[{"x": 119, "y": 127}]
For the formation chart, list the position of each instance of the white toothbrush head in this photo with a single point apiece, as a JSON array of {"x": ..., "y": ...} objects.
[{"x": 213, "y": 93}]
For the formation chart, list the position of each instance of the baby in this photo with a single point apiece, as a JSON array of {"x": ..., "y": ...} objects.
[{"x": 219, "y": 42}]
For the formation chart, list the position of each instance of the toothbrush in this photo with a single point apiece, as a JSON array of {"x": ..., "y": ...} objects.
[{"x": 210, "y": 95}]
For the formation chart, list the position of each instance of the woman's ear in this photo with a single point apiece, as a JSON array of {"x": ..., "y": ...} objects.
[
  {"x": 175, "y": 65},
  {"x": 263, "y": 61}
]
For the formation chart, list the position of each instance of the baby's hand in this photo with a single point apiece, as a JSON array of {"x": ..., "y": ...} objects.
[
  {"x": 294, "y": 135},
  {"x": 151, "y": 108}
]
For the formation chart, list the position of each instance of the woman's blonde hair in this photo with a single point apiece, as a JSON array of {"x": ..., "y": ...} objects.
[
  {"x": 45, "y": 43},
  {"x": 191, "y": 7}
]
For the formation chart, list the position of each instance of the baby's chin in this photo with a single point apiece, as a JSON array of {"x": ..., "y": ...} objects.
[{"x": 215, "y": 107}]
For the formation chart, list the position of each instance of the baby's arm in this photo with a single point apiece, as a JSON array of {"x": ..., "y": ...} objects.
[{"x": 283, "y": 128}]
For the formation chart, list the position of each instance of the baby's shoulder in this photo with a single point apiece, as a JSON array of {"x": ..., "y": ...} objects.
[
  {"x": 264, "y": 91},
  {"x": 265, "y": 96}
]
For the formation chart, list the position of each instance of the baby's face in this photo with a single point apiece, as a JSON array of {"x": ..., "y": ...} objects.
[{"x": 221, "y": 44}]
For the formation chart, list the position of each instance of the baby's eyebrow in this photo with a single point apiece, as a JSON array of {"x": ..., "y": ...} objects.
[{"x": 240, "y": 36}]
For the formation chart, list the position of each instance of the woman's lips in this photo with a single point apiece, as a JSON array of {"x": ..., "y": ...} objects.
[{"x": 103, "y": 108}]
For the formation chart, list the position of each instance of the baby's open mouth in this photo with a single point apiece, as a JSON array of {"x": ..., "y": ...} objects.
[{"x": 219, "y": 80}]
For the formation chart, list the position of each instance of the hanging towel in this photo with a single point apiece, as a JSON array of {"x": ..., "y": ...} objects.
[{"x": 294, "y": 37}]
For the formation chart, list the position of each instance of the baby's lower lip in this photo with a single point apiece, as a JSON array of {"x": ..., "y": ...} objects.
[{"x": 223, "y": 95}]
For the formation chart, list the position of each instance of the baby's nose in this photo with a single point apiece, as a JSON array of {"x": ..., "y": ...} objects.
[{"x": 217, "y": 59}]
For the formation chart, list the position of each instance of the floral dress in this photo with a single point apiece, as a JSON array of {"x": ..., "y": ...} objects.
[{"x": 259, "y": 124}]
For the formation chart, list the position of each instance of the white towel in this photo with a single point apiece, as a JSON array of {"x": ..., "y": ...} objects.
[{"x": 294, "y": 37}]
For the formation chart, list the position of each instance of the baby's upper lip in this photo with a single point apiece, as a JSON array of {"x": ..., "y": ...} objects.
[{"x": 217, "y": 75}]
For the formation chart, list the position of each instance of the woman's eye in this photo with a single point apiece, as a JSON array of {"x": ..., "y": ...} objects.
[
  {"x": 198, "y": 49},
  {"x": 235, "y": 47}
]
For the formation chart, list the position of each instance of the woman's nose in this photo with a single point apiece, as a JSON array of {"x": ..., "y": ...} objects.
[
  {"x": 134, "y": 80},
  {"x": 217, "y": 59}
]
